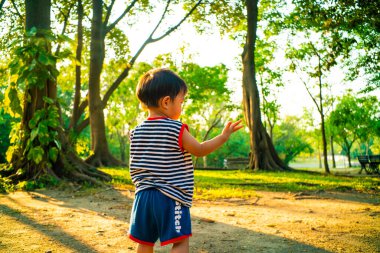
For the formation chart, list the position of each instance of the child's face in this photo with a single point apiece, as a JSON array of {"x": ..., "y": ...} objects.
[{"x": 175, "y": 106}]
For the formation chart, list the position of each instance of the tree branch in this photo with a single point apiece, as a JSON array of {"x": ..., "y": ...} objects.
[
  {"x": 17, "y": 11},
  {"x": 108, "y": 14},
  {"x": 79, "y": 128},
  {"x": 1, "y": 5},
  {"x": 180, "y": 23},
  {"x": 65, "y": 21},
  {"x": 149, "y": 40},
  {"x": 111, "y": 26},
  {"x": 307, "y": 88}
]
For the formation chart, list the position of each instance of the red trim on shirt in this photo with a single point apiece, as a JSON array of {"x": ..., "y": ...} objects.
[
  {"x": 159, "y": 117},
  {"x": 139, "y": 241},
  {"x": 174, "y": 240},
  {"x": 180, "y": 135}
]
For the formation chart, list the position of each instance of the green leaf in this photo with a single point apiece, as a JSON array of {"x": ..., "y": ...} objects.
[
  {"x": 36, "y": 154},
  {"x": 43, "y": 58},
  {"x": 58, "y": 144},
  {"x": 33, "y": 134},
  {"x": 53, "y": 154},
  {"x": 15, "y": 103},
  {"x": 43, "y": 133},
  {"x": 48, "y": 100},
  {"x": 38, "y": 115},
  {"x": 54, "y": 123},
  {"x": 32, "y": 65},
  {"x": 14, "y": 66},
  {"x": 32, "y": 32}
]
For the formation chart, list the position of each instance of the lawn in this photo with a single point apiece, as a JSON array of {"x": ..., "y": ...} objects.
[{"x": 211, "y": 185}]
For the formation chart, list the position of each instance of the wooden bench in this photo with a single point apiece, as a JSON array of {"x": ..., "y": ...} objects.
[
  {"x": 237, "y": 163},
  {"x": 369, "y": 163}
]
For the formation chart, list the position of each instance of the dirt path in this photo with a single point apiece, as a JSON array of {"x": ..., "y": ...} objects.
[{"x": 64, "y": 221}]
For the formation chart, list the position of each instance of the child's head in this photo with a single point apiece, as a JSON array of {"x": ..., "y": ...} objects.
[{"x": 157, "y": 84}]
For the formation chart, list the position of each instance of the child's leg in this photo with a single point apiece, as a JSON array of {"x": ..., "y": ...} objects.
[
  {"x": 141, "y": 248},
  {"x": 181, "y": 246}
]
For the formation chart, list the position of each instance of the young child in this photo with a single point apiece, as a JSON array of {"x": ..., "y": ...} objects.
[{"x": 161, "y": 166}]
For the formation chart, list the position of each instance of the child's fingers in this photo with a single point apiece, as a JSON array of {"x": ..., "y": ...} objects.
[
  {"x": 236, "y": 123},
  {"x": 238, "y": 127}
]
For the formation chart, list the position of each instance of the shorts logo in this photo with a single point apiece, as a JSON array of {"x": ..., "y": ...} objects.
[{"x": 177, "y": 216}]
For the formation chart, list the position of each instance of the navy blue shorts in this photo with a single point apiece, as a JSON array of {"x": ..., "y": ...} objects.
[{"x": 156, "y": 216}]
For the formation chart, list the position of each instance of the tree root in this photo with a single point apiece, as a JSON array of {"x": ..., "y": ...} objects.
[{"x": 104, "y": 160}]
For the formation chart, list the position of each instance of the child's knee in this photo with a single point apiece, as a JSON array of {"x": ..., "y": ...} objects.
[
  {"x": 181, "y": 246},
  {"x": 142, "y": 248}
]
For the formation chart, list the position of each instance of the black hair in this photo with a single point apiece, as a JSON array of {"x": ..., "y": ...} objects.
[{"x": 158, "y": 83}]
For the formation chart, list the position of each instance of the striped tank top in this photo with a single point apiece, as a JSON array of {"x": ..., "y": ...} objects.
[{"x": 158, "y": 160}]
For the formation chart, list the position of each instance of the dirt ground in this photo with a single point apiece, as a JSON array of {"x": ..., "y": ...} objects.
[{"x": 67, "y": 221}]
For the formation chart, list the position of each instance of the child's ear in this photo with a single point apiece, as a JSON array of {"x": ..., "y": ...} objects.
[{"x": 165, "y": 102}]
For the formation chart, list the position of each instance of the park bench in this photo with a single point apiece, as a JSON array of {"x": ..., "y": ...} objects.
[
  {"x": 369, "y": 163},
  {"x": 236, "y": 163}
]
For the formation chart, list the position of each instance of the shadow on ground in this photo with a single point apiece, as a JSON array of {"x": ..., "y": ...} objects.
[{"x": 98, "y": 221}]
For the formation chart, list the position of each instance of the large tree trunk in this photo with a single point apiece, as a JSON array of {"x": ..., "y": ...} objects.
[
  {"x": 263, "y": 155},
  {"x": 39, "y": 97},
  {"x": 102, "y": 155}
]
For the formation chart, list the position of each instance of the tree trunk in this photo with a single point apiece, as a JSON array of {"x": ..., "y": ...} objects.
[
  {"x": 348, "y": 151},
  {"x": 102, "y": 155},
  {"x": 323, "y": 128},
  {"x": 332, "y": 151},
  {"x": 263, "y": 155},
  {"x": 42, "y": 97},
  {"x": 78, "y": 70},
  {"x": 122, "y": 144},
  {"x": 324, "y": 144}
]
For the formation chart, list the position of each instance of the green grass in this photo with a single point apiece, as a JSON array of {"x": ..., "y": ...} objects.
[{"x": 211, "y": 185}]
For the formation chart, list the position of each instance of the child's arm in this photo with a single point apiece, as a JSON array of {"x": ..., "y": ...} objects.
[{"x": 201, "y": 149}]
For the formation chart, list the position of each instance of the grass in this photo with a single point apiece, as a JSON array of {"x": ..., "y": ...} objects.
[{"x": 212, "y": 185}]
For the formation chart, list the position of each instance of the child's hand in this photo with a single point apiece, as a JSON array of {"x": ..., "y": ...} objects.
[{"x": 231, "y": 128}]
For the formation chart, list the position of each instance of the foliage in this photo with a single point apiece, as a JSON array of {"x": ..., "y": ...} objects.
[
  {"x": 29, "y": 69},
  {"x": 289, "y": 140},
  {"x": 355, "y": 118},
  {"x": 5, "y": 126},
  {"x": 208, "y": 103},
  {"x": 123, "y": 112},
  {"x": 270, "y": 80},
  {"x": 236, "y": 146},
  {"x": 348, "y": 23}
]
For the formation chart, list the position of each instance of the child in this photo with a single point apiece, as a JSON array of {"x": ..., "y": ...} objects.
[{"x": 161, "y": 166}]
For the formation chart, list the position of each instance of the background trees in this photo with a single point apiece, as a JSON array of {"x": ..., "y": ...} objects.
[
  {"x": 98, "y": 71},
  {"x": 355, "y": 119},
  {"x": 40, "y": 149},
  {"x": 290, "y": 140}
]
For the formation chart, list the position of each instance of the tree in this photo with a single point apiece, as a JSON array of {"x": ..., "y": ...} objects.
[
  {"x": 123, "y": 112},
  {"x": 315, "y": 59},
  {"x": 5, "y": 125},
  {"x": 263, "y": 155},
  {"x": 353, "y": 119},
  {"x": 240, "y": 19},
  {"x": 269, "y": 80},
  {"x": 40, "y": 148},
  {"x": 290, "y": 141},
  {"x": 99, "y": 30},
  {"x": 209, "y": 102},
  {"x": 353, "y": 22}
]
